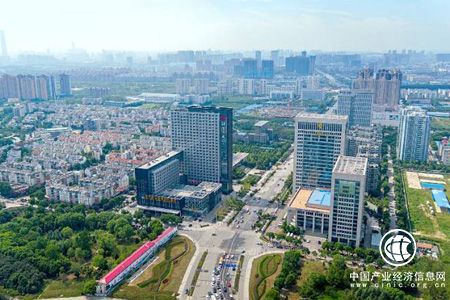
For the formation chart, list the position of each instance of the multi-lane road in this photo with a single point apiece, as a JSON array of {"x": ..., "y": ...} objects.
[{"x": 229, "y": 242}]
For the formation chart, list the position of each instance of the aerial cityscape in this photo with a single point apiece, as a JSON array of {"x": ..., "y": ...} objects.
[{"x": 250, "y": 150}]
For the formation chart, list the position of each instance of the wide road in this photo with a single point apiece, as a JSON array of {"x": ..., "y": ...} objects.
[
  {"x": 234, "y": 240},
  {"x": 391, "y": 194}
]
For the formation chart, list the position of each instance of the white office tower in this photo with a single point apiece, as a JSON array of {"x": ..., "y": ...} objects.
[
  {"x": 319, "y": 140},
  {"x": 357, "y": 105},
  {"x": 347, "y": 200},
  {"x": 205, "y": 135},
  {"x": 413, "y": 134}
]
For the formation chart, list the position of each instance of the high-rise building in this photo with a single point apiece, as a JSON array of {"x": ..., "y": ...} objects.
[
  {"x": 267, "y": 69},
  {"x": 347, "y": 200},
  {"x": 9, "y": 86},
  {"x": 201, "y": 86},
  {"x": 364, "y": 81},
  {"x": 357, "y": 105},
  {"x": 205, "y": 136},
  {"x": 246, "y": 86},
  {"x": 319, "y": 140},
  {"x": 4, "y": 52},
  {"x": 301, "y": 64},
  {"x": 65, "y": 85},
  {"x": 27, "y": 87},
  {"x": 413, "y": 134},
  {"x": 183, "y": 86},
  {"x": 366, "y": 142},
  {"x": 387, "y": 88},
  {"x": 258, "y": 57},
  {"x": 45, "y": 87},
  {"x": 249, "y": 68},
  {"x": 275, "y": 57}
]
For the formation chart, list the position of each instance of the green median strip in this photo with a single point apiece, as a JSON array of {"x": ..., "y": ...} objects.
[
  {"x": 197, "y": 273},
  {"x": 238, "y": 274}
]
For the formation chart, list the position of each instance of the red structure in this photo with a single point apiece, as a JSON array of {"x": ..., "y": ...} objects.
[{"x": 132, "y": 262}]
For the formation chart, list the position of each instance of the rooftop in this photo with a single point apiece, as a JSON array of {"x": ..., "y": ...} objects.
[
  {"x": 320, "y": 198},
  {"x": 320, "y": 117},
  {"x": 261, "y": 123},
  {"x": 134, "y": 256},
  {"x": 350, "y": 165},
  {"x": 159, "y": 160},
  {"x": 314, "y": 200},
  {"x": 193, "y": 191}
]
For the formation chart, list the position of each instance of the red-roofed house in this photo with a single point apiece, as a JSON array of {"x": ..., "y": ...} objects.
[{"x": 132, "y": 262}]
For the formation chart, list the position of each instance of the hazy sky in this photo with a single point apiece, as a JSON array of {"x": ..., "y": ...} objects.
[{"x": 156, "y": 25}]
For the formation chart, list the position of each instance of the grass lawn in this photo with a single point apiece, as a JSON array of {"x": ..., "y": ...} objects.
[
  {"x": 62, "y": 288},
  {"x": 162, "y": 279},
  {"x": 421, "y": 218},
  {"x": 440, "y": 123},
  {"x": 265, "y": 270}
]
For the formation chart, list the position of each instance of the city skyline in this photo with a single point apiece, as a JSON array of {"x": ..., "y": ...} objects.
[
  {"x": 231, "y": 25},
  {"x": 224, "y": 149}
]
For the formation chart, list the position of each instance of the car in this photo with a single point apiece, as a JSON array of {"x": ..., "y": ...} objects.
[
  {"x": 186, "y": 291},
  {"x": 229, "y": 284}
]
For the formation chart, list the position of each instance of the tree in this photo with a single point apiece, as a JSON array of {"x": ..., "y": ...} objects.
[
  {"x": 312, "y": 287},
  {"x": 89, "y": 287},
  {"x": 170, "y": 219},
  {"x": 6, "y": 190},
  {"x": 291, "y": 278},
  {"x": 100, "y": 262},
  {"x": 66, "y": 232},
  {"x": 337, "y": 272},
  {"x": 106, "y": 244},
  {"x": 124, "y": 233}
]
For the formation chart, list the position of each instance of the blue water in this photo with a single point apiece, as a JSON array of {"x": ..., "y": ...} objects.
[
  {"x": 432, "y": 186},
  {"x": 440, "y": 198}
]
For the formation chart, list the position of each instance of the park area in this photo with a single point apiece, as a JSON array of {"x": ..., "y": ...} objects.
[
  {"x": 162, "y": 278},
  {"x": 265, "y": 270},
  {"x": 427, "y": 221}
]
